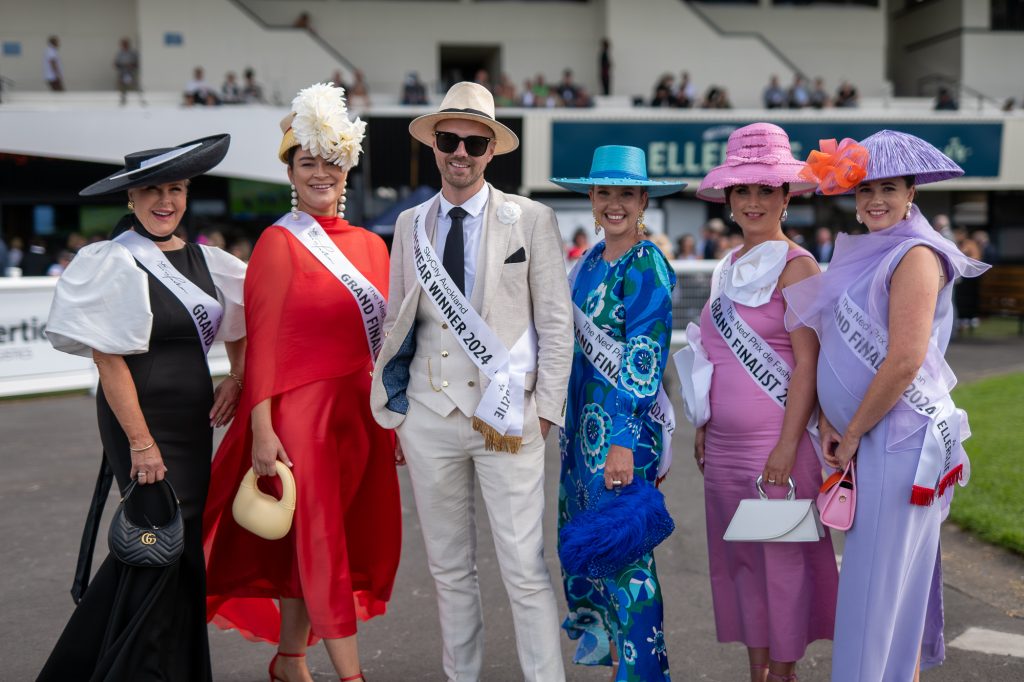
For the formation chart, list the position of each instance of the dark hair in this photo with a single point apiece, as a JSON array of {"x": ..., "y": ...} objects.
[
  {"x": 728, "y": 190},
  {"x": 909, "y": 179},
  {"x": 292, "y": 151}
]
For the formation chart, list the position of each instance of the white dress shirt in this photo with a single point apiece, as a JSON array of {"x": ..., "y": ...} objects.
[{"x": 472, "y": 230}]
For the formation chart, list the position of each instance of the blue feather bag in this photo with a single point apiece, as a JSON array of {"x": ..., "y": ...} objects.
[{"x": 624, "y": 524}]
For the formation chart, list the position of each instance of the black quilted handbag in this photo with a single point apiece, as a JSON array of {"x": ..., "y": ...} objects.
[{"x": 147, "y": 545}]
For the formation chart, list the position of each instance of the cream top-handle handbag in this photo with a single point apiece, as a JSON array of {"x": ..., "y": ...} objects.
[
  {"x": 763, "y": 520},
  {"x": 262, "y": 514}
]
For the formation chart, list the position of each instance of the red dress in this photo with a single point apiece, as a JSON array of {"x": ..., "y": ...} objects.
[{"x": 308, "y": 353}]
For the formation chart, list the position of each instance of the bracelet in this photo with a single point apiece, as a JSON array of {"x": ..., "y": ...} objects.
[
  {"x": 238, "y": 379},
  {"x": 142, "y": 449}
]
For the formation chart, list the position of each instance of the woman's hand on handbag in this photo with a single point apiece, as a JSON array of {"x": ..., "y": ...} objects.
[
  {"x": 843, "y": 452},
  {"x": 779, "y": 465},
  {"x": 225, "y": 401},
  {"x": 829, "y": 438},
  {"x": 267, "y": 449},
  {"x": 618, "y": 467},
  {"x": 148, "y": 465},
  {"x": 698, "y": 447}
]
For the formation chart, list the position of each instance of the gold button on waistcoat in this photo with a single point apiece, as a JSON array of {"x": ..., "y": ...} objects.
[
  {"x": 471, "y": 383},
  {"x": 444, "y": 354},
  {"x": 444, "y": 325}
]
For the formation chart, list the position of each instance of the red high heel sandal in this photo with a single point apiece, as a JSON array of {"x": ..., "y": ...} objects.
[
  {"x": 270, "y": 668},
  {"x": 353, "y": 678}
]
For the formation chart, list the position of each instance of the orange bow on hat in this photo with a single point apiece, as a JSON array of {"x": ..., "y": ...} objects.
[{"x": 837, "y": 168}]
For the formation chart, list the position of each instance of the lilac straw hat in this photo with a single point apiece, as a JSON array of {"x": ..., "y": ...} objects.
[
  {"x": 757, "y": 154},
  {"x": 893, "y": 154}
]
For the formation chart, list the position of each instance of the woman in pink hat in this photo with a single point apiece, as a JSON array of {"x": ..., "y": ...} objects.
[
  {"x": 753, "y": 411},
  {"x": 883, "y": 312}
]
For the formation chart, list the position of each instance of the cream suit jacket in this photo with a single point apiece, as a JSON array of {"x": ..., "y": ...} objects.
[{"x": 521, "y": 270}]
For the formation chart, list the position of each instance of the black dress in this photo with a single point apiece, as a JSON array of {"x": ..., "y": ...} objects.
[{"x": 140, "y": 624}]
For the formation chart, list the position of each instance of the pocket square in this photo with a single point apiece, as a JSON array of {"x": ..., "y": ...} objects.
[{"x": 517, "y": 257}]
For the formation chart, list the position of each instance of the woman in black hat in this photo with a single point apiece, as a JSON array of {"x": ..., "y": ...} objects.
[{"x": 147, "y": 306}]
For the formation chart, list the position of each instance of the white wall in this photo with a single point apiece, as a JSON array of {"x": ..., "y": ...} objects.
[
  {"x": 992, "y": 62},
  {"x": 834, "y": 42},
  {"x": 386, "y": 40},
  {"x": 88, "y": 31},
  {"x": 220, "y": 37}
]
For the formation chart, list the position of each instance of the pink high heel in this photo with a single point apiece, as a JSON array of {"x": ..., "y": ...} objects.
[{"x": 270, "y": 668}]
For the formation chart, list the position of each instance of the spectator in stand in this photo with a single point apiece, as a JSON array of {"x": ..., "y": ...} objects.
[
  {"x": 126, "y": 64},
  {"x": 716, "y": 97},
  {"x": 483, "y": 78},
  {"x": 823, "y": 245},
  {"x": 63, "y": 260},
  {"x": 16, "y": 252},
  {"x": 241, "y": 248},
  {"x": 819, "y": 96},
  {"x": 774, "y": 97},
  {"x": 846, "y": 95},
  {"x": 338, "y": 78},
  {"x": 541, "y": 92},
  {"x": 304, "y": 21},
  {"x": 686, "y": 93},
  {"x": 75, "y": 242},
  {"x": 605, "y": 67},
  {"x": 53, "y": 72},
  {"x": 941, "y": 224},
  {"x": 358, "y": 94},
  {"x": 252, "y": 92},
  {"x": 945, "y": 102},
  {"x": 580, "y": 244},
  {"x": 413, "y": 90},
  {"x": 686, "y": 248},
  {"x": 231, "y": 91},
  {"x": 1009, "y": 105},
  {"x": 988, "y": 249},
  {"x": 198, "y": 91},
  {"x": 35, "y": 262},
  {"x": 967, "y": 290},
  {"x": 567, "y": 89},
  {"x": 527, "y": 99},
  {"x": 212, "y": 237},
  {"x": 797, "y": 237},
  {"x": 663, "y": 96},
  {"x": 709, "y": 234},
  {"x": 664, "y": 245},
  {"x": 798, "y": 96},
  {"x": 505, "y": 92}
]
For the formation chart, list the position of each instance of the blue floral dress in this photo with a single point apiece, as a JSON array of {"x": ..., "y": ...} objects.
[{"x": 630, "y": 299}]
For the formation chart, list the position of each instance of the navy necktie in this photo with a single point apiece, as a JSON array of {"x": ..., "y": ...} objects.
[{"x": 454, "y": 260}]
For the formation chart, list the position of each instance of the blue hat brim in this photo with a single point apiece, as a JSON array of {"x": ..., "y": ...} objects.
[{"x": 654, "y": 188}]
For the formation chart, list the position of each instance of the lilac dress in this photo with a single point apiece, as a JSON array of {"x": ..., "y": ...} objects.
[
  {"x": 890, "y": 585},
  {"x": 775, "y": 595}
]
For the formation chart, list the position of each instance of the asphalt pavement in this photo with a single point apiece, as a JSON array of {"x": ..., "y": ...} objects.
[{"x": 50, "y": 452}]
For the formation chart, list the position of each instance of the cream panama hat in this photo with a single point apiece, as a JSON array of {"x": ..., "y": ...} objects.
[{"x": 469, "y": 101}]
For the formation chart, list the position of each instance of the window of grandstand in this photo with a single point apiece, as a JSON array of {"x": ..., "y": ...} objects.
[
  {"x": 860, "y": 3},
  {"x": 1007, "y": 15}
]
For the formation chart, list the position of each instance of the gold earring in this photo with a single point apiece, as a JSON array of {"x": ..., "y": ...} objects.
[
  {"x": 597, "y": 224},
  {"x": 131, "y": 205},
  {"x": 641, "y": 228}
]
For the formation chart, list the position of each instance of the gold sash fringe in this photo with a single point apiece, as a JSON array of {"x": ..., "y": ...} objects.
[{"x": 494, "y": 441}]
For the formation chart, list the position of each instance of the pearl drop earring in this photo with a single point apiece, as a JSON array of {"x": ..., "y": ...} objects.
[
  {"x": 859, "y": 219},
  {"x": 341, "y": 202},
  {"x": 732, "y": 217},
  {"x": 295, "y": 204}
]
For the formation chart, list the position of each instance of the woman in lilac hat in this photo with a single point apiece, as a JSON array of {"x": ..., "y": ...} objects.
[
  {"x": 614, "y": 431},
  {"x": 752, "y": 412},
  {"x": 883, "y": 312}
]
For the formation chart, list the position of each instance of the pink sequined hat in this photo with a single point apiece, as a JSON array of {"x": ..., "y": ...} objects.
[{"x": 757, "y": 154}]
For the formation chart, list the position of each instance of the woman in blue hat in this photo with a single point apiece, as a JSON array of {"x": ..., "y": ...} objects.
[{"x": 622, "y": 296}]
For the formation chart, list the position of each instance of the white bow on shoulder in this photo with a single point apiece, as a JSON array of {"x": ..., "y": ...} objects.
[{"x": 753, "y": 276}]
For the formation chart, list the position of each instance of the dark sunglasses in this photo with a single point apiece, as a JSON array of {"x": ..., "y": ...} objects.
[{"x": 476, "y": 145}]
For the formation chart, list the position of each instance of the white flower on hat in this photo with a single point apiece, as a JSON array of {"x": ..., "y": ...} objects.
[
  {"x": 509, "y": 212},
  {"x": 322, "y": 126}
]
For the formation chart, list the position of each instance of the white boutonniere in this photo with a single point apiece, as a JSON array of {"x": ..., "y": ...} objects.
[{"x": 509, "y": 212}]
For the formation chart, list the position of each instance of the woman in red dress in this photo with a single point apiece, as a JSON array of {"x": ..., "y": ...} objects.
[{"x": 306, "y": 403}]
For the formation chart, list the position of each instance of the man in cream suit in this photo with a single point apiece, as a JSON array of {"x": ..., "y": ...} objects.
[{"x": 472, "y": 374}]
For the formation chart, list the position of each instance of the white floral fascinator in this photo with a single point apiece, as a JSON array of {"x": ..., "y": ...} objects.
[{"x": 320, "y": 124}]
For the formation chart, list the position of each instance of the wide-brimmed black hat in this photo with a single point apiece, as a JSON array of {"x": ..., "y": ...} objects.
[{"x": 157, "y": 166}]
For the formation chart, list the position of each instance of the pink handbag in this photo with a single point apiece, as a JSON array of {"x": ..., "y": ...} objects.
[{"x": 837, "y": 498}]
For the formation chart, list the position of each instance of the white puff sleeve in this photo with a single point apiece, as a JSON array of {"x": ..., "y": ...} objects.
[
  {"x": 101, "y": 303},
  {"x": 229, "y": 277},
  {"x": 695, "y": 371}
]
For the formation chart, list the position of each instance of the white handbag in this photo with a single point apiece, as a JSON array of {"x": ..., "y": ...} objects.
[
  {"x": 261, "y": 514},
  {"x": 764, "y": 520}
]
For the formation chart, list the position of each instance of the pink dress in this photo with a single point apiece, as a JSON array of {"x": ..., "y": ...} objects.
[{"x": 781, "y": 595}]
